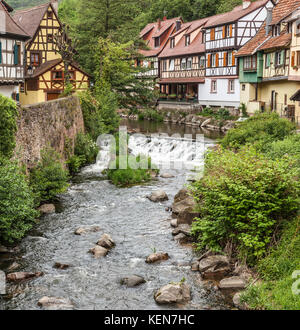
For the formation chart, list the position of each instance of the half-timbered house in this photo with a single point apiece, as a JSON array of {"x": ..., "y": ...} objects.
[
  {"x": 273, "y": 52},
  {"x": 223, "y": 37},
  {"x": 156, "y": 36},
  {"x": 12, "y": 48},
  {"x": 182, "y": 63},
  {"x": 44, "y": 65}
]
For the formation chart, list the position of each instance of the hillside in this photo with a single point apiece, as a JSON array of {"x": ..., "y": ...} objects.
[{"x": 17, "y": 4}]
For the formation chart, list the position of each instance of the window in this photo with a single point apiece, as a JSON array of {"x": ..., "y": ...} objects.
[
  {"x": 164, "y": 65},
  {"x": 227, "y": 31},
  {"x": 231, "y": 86},
  {"x": 187, "y": 40},
  {"x": 213, "y": 60},
  {"x": 279, "y": 58},
  {"x": 72, "y": 75},
  {"x": 268, "y": 60},
  {"x": 183, "y": 64},
  {"x": 213, "y": 86},
  {"x": 49, "y": 14},
  {"x": 172, "y": 43},
  {"x": 250, "y": 63},
  {"x": 243, "y": 87},
  {"x": 49, "y": 37},
  {"x": 202, "y": 61},
  {"x": 57, "y": 75},
  {"x": 171, "y": 65},
  {"x": 35, "y": 58},
  {"x": 17, "y": 54},
  {"x": 156, "y": 42},
  {"x": 229, "y": 59},
  {"x": 276, "y": 30},
  {"x": 189, "y": 63}
]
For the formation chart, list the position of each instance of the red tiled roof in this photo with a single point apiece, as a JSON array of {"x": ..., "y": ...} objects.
[
  {"x": 282, "y": 40},
  {"x": 283, "y": 8},
  {"x": 11, "y": 26},
  {"x": 152, "y": 30},
  {"x": 237, "y": 13}
]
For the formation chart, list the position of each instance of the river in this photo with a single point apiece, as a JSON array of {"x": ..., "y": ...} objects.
[{"x": 137, "y": 225}]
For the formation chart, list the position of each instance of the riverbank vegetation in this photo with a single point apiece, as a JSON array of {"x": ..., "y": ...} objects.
[{"x": 248, "y": 199}]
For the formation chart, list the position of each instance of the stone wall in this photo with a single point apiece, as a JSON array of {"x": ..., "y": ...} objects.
[{"x": 53, "y": 123}]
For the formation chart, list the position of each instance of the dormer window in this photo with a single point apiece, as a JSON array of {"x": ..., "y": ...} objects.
[
  {"x": 187, "y": 40},
  {"x": 156, "y": 42},
  {"x": 276, "y": 30},
  {"x": 172, "y": 43}
]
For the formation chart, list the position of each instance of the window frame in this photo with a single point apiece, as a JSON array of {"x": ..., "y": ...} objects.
[{"x": 213, "y": 86}]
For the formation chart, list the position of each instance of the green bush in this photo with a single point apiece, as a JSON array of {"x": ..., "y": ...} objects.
[
  {"x": 48, "y": 178},
  {"x": 242, "y": 198},
  {"x": 261, "y": 129},
  {"x": 86, "y": 147},
  {"x": 276, "y": 270},
  {"x": 8, "y": 126},
  {"x": 151, "y": 114},
  {"x": 75, "y": 163},
  {"x": 131, "y": 176},
  {"x": 17, "y": 213}
]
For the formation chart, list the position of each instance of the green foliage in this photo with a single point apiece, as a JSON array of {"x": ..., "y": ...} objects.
[
  {"x": 48, "y": 178},
  {"x": 8, "y": 126},
  {"x": 132, "y": 175},
  {"x": 243, "y": 197},
  {"x": 260, "y": 130},
  {"x": 17, "y": 213},
  {"x": 67, "y": 91},
  {"x": 243, "y": 110},
  {"x": 151, "y": 114},
  {"x": 220, "y": 114},
  {"x": 276, "y": 270}
]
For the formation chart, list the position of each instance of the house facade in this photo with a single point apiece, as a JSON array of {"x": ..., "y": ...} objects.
[
  {"x": 44, "y": 70},
  {"x": 275, "y": 54},
  {"x": 223, "y": 37},
  {"x": 156, "y": 35},
  {"x": 182, "y": 63},
  {"x": 12, "y": 50}
]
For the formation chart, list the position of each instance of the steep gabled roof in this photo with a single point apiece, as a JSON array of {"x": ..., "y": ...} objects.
[
  {"x": 236, "y": 14},
  {"x": 11, "y": 27},
  {"x": 282, "y": 9},
  {"x": 31, "y": 18},
  {"x": 283, "y": 40}
]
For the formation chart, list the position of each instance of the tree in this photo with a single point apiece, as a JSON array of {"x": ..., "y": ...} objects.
[
  {"x": 228, "y": 5},
  {"x": 116, "y": 72}
]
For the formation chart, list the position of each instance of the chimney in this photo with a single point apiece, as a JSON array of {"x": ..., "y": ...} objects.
[
  {"x": 178, "y": 25},
  {"x": 54, "y": 4},
  {"x": 246, "y": 4},
  {"x": 269, "y": 20},
  {"x": 159, "y": 24}
]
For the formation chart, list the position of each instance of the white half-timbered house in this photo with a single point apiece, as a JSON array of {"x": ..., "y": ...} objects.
[
  {"x": 12, "y": 49},
  {"x": 223, "y": 36}
]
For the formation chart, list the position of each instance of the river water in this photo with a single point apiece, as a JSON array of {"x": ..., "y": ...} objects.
[{"x": 137, "y": 225}]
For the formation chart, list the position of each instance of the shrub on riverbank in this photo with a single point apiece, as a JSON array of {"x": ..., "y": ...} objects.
[
  {"x": 151, "y": 114},
  {"x": 8, "y": 126},
  {"x": 259, "y": 130},
  {"x": 243, "y": 197},
  {"x": 220, "y": 114},
  {"x": 138, "y": 171},
  {"x": 48, "y": 178},
  {"x": 17, "y": 213},
  {"x": 277, "y": 269}
]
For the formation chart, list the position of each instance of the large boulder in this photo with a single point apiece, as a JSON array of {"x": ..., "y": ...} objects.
[
  {"x": 183, "y": 207},
  {"x": 174, "y": 223},
  {"x": 55, "y": 303},
  {"x": 2, "y": 282},
  {"x": 47, "y": 208},
  {"x": 154, "y": 257},
  {"x": 98, "y": 251},
  {"x": 166, "y": 176},
  {"x": 106, "y": 241},
  {"x": 232, "y": 284},
  {"x": 158, "y": 196},
  {"x": 182, "y": 229},
  {"x": 87, "y": 229},
  {"x": 21, "y": 276},
  {"x": 173, "y": 293},
  {"x": 237, "y": 302},
  {"x": 214, "y": 267},
  {"x": 132, "y": 281},
  {"x": 182, "y": 238}
]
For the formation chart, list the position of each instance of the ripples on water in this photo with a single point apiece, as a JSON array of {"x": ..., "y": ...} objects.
[{"x": 137, "y": 226}]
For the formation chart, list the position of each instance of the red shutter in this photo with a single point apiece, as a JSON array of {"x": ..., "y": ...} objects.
[
  {"x": 293, "y": 59},
  {"x": 225, "y": 59},
  {"x": 217, "y": 59},
  {"x": 209, "y": 61}
]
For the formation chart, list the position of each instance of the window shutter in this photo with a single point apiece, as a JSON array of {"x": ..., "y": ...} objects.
[
  {"x": 16, "y": 55},
  {"x": 209, "y": 60},
  {"x": 225, "y": 59},
  {"x": 230, "y": 33},
  {"x": 293, "y": 59},
  {"x": 224, "y": 31},
  {"x": 0, "y": 52},
  {"x": 282, "y": 59},
  {"x": 217, "y": 59},
  {"x": 212, "y": 34},
  {"x": 233, "y": 59}
]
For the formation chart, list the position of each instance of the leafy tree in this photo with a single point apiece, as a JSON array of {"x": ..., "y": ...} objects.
[
  {"x": 228, "y": 5},
  {"x": 17, "y": 213},
  {"x": 8, "y": 126}
]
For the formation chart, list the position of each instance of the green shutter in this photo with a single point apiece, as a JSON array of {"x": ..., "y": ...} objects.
[
  {"x": 268, "y": 59},
  {"x": 0, "y": 52},
  {"x": 282, "y": 60},
  {"x": 16, "y": 54}
]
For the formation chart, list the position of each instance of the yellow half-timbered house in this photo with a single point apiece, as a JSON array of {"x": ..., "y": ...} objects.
[{"x": 44, "y": 67}]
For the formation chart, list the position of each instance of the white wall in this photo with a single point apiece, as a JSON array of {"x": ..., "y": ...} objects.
[
  {"x": 222, "y": 98},
  {"x": 8, "y": 90}
]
